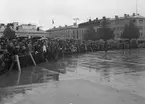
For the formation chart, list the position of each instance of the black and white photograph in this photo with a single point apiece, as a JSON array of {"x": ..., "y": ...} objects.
[{"x": 72, "y": 51}]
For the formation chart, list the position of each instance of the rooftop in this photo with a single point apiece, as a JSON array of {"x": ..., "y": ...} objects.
[
  {"x": 63, "y": 28},
  {"x": 98, "y": 21}
]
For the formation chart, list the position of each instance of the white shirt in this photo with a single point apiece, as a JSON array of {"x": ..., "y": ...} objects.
[{"x": 44, "y": 48}]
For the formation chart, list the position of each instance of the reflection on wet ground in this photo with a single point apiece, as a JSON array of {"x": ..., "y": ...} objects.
[{"x": 120, "y": 69}]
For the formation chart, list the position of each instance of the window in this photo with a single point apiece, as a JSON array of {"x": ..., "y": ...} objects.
[
  {"x": 141, "y": 34},
  {"x": 134, "y": 20},
  {"x": 118, "y": 28},
  {"x": 77, "y": 35},
  {"x": 141, "y": 27},
  {"x": 140, "y": 21},
  {"x": 117, "y": 22},
  {"x": 73, "y": 32},
  {"x": 122, "y": 28},
  {"x": 121, "y": 34}
]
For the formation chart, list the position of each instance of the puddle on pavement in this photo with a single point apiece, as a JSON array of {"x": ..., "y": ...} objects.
[{"x": 121, "y": 70}]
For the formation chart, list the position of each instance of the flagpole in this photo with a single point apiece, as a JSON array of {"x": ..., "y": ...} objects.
[
  {"x": 136, "y": 7},
  {"x": 52, "y": 23}
]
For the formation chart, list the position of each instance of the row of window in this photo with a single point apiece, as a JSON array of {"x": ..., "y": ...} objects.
[
  {"x": 119, "y": 29},
  {"x": 68, "y": 34},
  {"x": 140, "y": 21},
  {"x": 135, "y": 20},
  {"x": 119, "y": 34},
  {"x": 140, "y": 27},
  {"x": 73, "y": 31},
  {"x": 141, "y": 34},
  {"x": 122, "y": 28}
]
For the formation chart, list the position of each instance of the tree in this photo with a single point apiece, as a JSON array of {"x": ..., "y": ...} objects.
[
  {"x": 90, "y": 34},
  {"x": 8, "y": 32},
  {"x": 104, "y": 32},
  {"x": 17, "y": 28},
  {"x": 130, "y": 32},
  {"x": 38, "y": 28}
]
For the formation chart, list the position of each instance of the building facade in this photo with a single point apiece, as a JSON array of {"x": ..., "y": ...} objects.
[
  {"x": 2, "y": 28},
  {"x": 25, "y": 30},
  {"x": 67, "y": 32},
  {"x": 30, "y": 30},
  {"x": 118, "y": 24}
]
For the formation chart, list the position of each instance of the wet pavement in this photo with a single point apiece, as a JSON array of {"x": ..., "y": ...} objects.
[{"x": 118, "y": 77}]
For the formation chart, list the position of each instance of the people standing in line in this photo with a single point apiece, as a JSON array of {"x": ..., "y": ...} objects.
[
  {"x": 51, "y": 48},
  {"x": 45, "y": 52}
]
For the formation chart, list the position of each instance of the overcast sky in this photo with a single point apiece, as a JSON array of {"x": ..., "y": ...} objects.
[{"x": 41, "y": 12}]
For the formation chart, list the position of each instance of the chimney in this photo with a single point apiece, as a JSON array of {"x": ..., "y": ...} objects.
[
  {"x": 104, "y": 18},
  {"x": 133, "y": 14},
  {"x": 90, "y": 20},
  {"x": 96, "y": 19},
  {"x": 125, "y": 15},
  {"x": 116, "y": 17}
]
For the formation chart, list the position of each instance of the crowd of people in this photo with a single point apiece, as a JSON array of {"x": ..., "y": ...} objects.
[{"x": 49, "y": 49}]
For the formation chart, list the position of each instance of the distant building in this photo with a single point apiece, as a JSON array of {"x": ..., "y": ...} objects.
[
  {"x": 30, "y": 30},
  {"x": 2, "y": 28},
  {"x": 67, "y": 32},
  {"x": 27, "y": 27},
  {"x": 15, "y": 25},
  {"x": 118, "y": 24},
  {"x": 91, "y": 23},
  {"x": 27, "y": 30}
]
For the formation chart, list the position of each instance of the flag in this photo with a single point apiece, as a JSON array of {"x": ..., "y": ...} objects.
[{"x": 52, "y": 21}]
